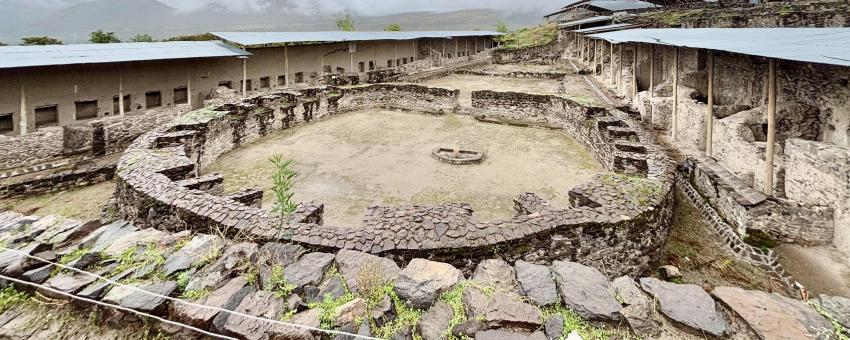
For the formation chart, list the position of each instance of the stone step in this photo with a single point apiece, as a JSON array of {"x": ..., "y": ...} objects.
[
  {"x": 628, "y": 146},
  {"x": 631, "y": 163},
  {"x": 212, "y": 183},
  {"x": 622, "y": 133}
]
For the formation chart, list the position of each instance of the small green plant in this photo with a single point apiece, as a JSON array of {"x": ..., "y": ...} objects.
[
  {"x": 282, "y": 187},
  {"x": 838, "y": 331},
  {"x": 405, "y": 316},
  {"x": 327, "y": 309},
  {"x": 195, "y": 294},
  {"x": 182, "y": 281},
  {"x": 74, "y": 255},
  {"x": 453, "y": 298},
  {"x": 574, "y": 322},
  {"x": 277, "y": 283},
  {"x": 11, "y": 297}
]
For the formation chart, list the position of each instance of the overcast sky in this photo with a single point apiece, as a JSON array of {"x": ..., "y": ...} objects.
[{"x": 376, "y": 7}]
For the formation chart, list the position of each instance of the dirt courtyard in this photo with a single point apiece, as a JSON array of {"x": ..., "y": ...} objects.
[{"x": 351, "y": 161}]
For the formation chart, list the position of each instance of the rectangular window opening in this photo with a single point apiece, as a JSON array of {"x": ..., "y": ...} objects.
[
  {"x": 361, "y": 66},
  {"x": 181, "y": 95},
  {"x": 153, "y": 99},
  {"x": 248, "y": 85},
  {"x": 226, "y": 83},
  {"x": 6, "y": 123},
  {"x": 86, "y": 109},
  {"x": 265, "y": 82},
  {"x": 115, "y": 103},
  {"x": 389, "y": 63},
  {"x": 299, "y": 77},
  {"x": 46, "y": 115},
  {"x": 371, "y": 65},
  {"x": 327, "y": 69}
]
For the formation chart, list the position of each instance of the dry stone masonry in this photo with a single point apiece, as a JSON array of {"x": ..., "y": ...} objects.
[
  {"x": 370, "y": 295},
  {"x": 619, "y": 224}
]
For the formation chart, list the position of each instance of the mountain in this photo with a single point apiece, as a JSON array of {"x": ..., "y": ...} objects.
[{"x": 127, "y": 18}]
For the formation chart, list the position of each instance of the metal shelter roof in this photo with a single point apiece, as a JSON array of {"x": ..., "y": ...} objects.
[
  {"x": 590, "y": 20},
  {"x": 605, "y": 28},
  {"x": 620, "y": 5},
  {"x": 816, "y": 45},
  {"x": 50, "y": 55},
  {"x": 248, "y": 39}
]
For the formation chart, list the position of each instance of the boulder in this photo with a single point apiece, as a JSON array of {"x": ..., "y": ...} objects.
[
  {"x": 468, "y": 328},
  {"x": 331, "y": 288},
  {"x": 38, "y": 275},
  {"x": 536, "y": 283},
  {"x": 228, "y": 296},
  {"x": 422, "y": 281},
  {"x": 586, "y": 291},
  {"x": 687, "y": 304},
  {"x": 198, "y": 247},
  {"x": 308, "y": 317},
  {"x": 498, "y": 334},
  {"x": 554, "y": 327},
  {"x": 475, "y": 302},
  {"x": 139, "y": 300},
  {"x": 282, "y": 254},
  {"x": 383, "y": 312},
  {"x": 106, "y": 235},
  {"x": 670, "y": 272},
  {"x": 234, "y": 258},
  {"x": 266, "y": 305},
  {"x": 497, "y": 274},
  {"x": 434, "y": 324},
  {"x": 347, "y": 313},
  {"x": 70, "y": 282},
  {"x": 308, "y": 270},
  {"x": 773, "y": 316},
  {"x": 505, "y": 311},
  {"x": 14, "y": 263},
  {"x": 120, "y": 244},
  {"x": 358, "y": 266},
  {"x": 638, "y": 310},
  {"x": 838, "y": 307}
]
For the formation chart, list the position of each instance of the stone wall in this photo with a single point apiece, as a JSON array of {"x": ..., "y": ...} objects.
[
  {"x": 803, "y": 13},
  {"x": 51, "y": 144},
  {"x": 620, "y": 231},
  {"x": 817, "y": 173},
  {"x": 543, "y": 54},
  {"x": 58, "y": 182}
]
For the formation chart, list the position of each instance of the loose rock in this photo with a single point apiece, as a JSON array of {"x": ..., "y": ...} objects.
[
  {"x": 504, "y": 311},
  {"x": 358, "y": 266},
  {"x": 586, "y": 291},
  {"x": 422, "y": 281},
  {"x": 497, "y": 274},
  {"x": 434, "y": 323},
  {"x": 773, "y": 316},
  {"x": 535, "y": 282},
  {"x": 687, "y": 304}
]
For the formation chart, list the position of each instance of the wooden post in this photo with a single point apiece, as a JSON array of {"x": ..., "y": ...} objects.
[
  {"x": 595, "y": 55},
  {"x": 456, "y": 49},
  {"x": 602, "y": 60},
  {"x": 611, "y": 63},
  {"x": 23, "y": 121},
  {"x": 395, "y": 53},
  {"x": 675, "y": 117},
  {"x": 709, "y": 113},
  {"x": 652, "y": 72},
  {"x": 415, "y": 51},
  {"x": 634, "y": 71},
  {"x": 620, "y": 69},
  {"x": 771, "y": 127},
  {"x": 121, "y": 91},
  {"x": 286, "y": 65}
]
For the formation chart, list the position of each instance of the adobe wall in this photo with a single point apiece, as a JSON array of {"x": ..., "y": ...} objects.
[{"x": 617, "y": 222}]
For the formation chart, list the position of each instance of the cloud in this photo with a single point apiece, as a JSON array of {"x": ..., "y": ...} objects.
[{"x": 364, "y": 7}]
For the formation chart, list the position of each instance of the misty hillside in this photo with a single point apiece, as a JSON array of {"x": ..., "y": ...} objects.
[{"x": 129, "y": 17}]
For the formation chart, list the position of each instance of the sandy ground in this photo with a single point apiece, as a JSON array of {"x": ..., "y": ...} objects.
[
  {"x": 576, "y": 88},
  {"x": 80, "y": 203},
  {"x": 357, "y": 159},
  {"x": 822, "y": 270}
]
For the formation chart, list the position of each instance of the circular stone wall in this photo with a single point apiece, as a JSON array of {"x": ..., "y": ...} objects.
[{"x": 616, "y": 221}]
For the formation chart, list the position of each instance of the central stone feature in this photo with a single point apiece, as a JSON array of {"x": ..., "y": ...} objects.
[{"x": 458, "y": 156}]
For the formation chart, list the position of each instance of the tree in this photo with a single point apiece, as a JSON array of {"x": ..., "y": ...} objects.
[
  {"x": 282, "y": 181},
  {"x": 101, "y": 37},
  {"x": 142, "y": 37},
  {"x": 193, "y": 37},
  {"x": 43, "y": 40},
  {"x": 502, "y": 27},
  {"x": 345, "y": 24},
  {"x": 393, "y": 28}
]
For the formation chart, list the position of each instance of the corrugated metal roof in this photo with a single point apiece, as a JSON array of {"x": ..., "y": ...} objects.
[
  {"x": 620, "y": 5},
  {"x": 816, "y": 45},
  {"x": 50, "y": 55},
  {"x": 590, "y": 20},
  {"x": 249, "y": 39},
  {"x": 613, "y": 27}
]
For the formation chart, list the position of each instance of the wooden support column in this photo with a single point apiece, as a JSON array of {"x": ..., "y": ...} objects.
[
  {"x": 611, "y": 63},
  {"x": 634, "y": 71},
  {"x": 456, "y": 49},
  {"x": 23, "y": 117},
  {"x": 395, "y": 53},
  {"x": 620, "y": 69},
  {"x": 595, "y": 55},
  {"x": 771, "y": 127},
  {"x": 188, "y": 90},
  {"x": 709, "y": 112},
  {"x": 675, "y": 118},
  {"x": 652, "y": 72},
  {"x": 415, "y": 51},
  {"x": 602, "y": 60}
]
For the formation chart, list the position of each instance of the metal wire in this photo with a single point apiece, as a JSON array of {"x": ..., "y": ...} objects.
[{"x": 115, "y": 283}]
